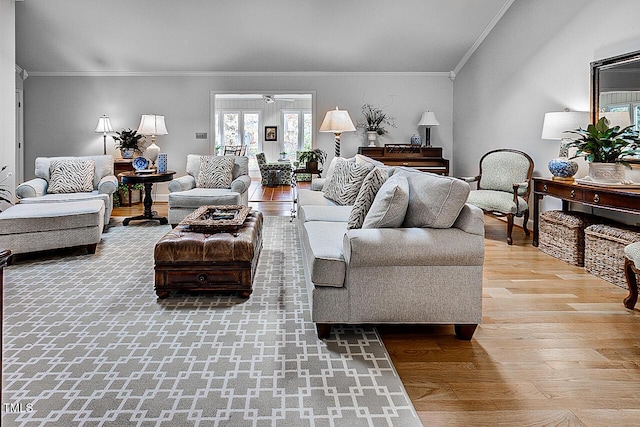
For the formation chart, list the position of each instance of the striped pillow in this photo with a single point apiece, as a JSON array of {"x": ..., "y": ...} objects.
[
  {"x": 346, "y": 181},
  {"x": 370, "y": 186},
  {"x": 71, "y": 176},
  {"x": 215, "y": 172}
]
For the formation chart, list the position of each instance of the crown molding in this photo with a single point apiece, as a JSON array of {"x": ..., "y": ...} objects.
[{"x": 233, "y": 74}]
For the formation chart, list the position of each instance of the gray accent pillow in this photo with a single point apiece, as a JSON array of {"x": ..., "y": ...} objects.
[
  {"x": 215, "y": 172},
  {"x": 345, "y": 182},
  {"x": 71, "y": 176},
  {"x": 435, "y": 201},
  {"x": 370, "y": 186},
  {"x": 390, "y": 205}
]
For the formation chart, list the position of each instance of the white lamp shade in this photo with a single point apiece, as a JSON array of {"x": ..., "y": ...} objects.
[
  {"x": 151, "y": 124},
  {"x": 556, "y": 124},
  {"x": 617, "y": 118},
  {"x": 428, "y": 119},
  {"x": 104, "y": 125},
  {"x": 337, "y": 121}
]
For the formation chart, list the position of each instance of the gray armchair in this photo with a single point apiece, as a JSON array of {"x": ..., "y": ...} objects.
[
  {"x": 504, "y": 185},
  {"x": 104, "y": 184},
  {"x": 185, "y": 196}
]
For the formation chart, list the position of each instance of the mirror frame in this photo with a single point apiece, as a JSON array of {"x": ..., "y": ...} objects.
[{"x": 604, "y": 64}]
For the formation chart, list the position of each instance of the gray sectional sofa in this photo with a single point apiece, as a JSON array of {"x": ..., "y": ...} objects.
[{"x": 423, "y": 266}]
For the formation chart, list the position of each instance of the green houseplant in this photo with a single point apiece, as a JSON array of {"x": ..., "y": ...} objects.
[
  {"x": 312, "y": 159},
  {"x": 129, "y": 142},
  {"x": 605, "y": 148}
]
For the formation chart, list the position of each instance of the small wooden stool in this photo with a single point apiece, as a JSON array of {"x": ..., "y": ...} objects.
[{"x": 631, "y": 271}]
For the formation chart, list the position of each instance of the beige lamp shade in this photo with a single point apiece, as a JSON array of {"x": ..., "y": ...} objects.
[
  {"x": 104, "y": 127},
  {"x": 428, "y": 119},
  {"x": 337, "y": 121},
  {"x": 556, "y": 124}
]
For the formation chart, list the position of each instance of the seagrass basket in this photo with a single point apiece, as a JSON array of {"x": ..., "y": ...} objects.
[
  {"x": 561, "y": 235},
  {"x": 604, "y": 251}
]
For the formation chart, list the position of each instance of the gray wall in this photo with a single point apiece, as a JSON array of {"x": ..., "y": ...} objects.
[
  {"x": 61, "y": 112},
  {"x": 7, "y": 94},
  {"x": 534, "y": 61}
]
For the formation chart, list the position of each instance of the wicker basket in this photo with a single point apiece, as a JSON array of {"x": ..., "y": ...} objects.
[
  {"x": 604, "y": 251},
  {"x": 561, "y": 235}
]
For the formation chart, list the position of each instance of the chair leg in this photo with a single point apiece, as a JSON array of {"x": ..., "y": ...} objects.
[
  {"x": 630, "y": 273},
  {"x": 525, "y": 220},
  {"x": 509, "y": 229}
]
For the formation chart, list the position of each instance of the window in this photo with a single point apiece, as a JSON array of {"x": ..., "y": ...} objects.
[
  {"x": 297, "y": 132},
  {"x": 636, "y": 116},
  {"x": 236, "y": 123}
]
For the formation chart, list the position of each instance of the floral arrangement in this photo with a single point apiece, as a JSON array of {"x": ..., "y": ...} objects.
[{"x": 375, "y": 119}]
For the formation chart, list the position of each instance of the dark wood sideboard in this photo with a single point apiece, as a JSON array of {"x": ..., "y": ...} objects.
[
  {"x": 614, "y": 199},
  {"x": 426, "y": 159}
]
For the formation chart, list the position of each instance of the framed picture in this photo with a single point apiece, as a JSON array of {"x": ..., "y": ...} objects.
[{"x": 271, "y": 133}]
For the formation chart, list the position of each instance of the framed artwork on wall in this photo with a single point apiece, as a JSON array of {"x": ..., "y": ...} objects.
[{"x": 271, "y": 133}]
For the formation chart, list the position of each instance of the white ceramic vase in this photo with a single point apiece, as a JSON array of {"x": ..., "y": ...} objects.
[
  {"x": 372, "y": 135},
  {"x": 606, "y": 173}
]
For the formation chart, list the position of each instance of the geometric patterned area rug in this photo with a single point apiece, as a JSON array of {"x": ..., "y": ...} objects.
[{"x": 87, "y": 343}]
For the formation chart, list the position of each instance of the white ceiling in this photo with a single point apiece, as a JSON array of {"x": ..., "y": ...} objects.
[{"x": 104, "y": 36}]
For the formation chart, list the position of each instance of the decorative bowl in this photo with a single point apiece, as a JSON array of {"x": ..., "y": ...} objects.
[{"x": 140, "y": 163}]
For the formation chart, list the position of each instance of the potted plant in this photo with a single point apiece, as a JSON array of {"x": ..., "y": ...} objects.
[
  {"x": 5, "y": 192},
  {"x": 312, "y": 159},
  {"x": 129, "y": 142},
  {"x": 283, "y": 155},
  {"x": 375, "y": 121},
  {"x": 605, "y": 148},
  {"x": 123, "y": 194}
]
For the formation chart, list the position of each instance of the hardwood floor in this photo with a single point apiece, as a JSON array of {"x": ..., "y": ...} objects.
[{"x": 556, "y": 346}]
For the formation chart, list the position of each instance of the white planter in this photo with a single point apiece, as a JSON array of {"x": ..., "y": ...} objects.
[{"x": 607, "y": 173}]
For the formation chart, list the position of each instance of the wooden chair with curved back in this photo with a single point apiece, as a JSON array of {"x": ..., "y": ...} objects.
[{"x": 504, "y": 185}]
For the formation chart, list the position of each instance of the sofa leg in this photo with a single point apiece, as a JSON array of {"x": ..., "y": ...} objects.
[
  {"x": 323, "y": 329},
  {"x": 465, "y": 332},
  {"x": 92, "y": 248}
]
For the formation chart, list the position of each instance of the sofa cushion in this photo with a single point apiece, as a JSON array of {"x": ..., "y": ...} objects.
[
  {"x": 215, "y": 172},
  {"x": 390, "y": 204},
  {"x": 39, "y": 217},
  {"x": 197, "y": 197},
  {"x": 346, "y": 181},
  {"x": 71, "y": 176},
  {"x": 434, "y": 200},
  {"x": 324, "y": 213},
  {"x": 370, "y": 186},
  {"x": 332, "y": 168},
  {"x": 324, "y": 251}
]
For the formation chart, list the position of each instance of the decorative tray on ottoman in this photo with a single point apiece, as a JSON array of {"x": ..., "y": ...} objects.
[{"x": 211, "y": 219}]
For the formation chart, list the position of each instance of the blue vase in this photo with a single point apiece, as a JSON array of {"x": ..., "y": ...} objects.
[
  {"x": 416, "y": 140},
  {"x": 562, "y": 168}
]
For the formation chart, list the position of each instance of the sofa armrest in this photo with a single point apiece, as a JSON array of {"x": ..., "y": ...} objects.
[
  {"x": 108, "y": 184},
  {"x": 400, "y": 247},
  {"x": 182, "y": 183},
  {"x": 470, "y": 220},
  {"x": 241, "y": 184},
  {"x": 33, "y": 188},
  {"x": 317, "y": 183}
]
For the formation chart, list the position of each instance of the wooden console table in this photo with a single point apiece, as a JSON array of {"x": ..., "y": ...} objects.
[
  {"x": 615, "y": 199},
  {"x": 426, "y": 159}
]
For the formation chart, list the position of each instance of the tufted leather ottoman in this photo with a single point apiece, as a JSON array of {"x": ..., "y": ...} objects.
[{"x": 191, "y": 261}]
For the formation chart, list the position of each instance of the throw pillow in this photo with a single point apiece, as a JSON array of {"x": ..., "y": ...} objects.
[
  {"x": 215, "y": 172},
  {"x": 370, "y": 186},
  {"x": 71, "y": 176},
  {"x": 346, "y": 181},
  {"x": 434, "y": 200},
  {"x": 332, "y": 168},
  {"x": 390, "y": 205}
]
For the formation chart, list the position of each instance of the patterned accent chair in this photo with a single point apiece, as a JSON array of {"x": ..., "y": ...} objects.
[
  {"x": 504, "y": 185},
  {"x": 284, "y": 177},
  {"x": 185, "y": 196}
]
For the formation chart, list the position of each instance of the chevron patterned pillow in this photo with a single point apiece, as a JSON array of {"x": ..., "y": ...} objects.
[
  {"x": 346, "y": 181},
  {"x": 71, "y": 176},
  {"x": 370, "y": 186},
  {"x": 215, "y": 172}
]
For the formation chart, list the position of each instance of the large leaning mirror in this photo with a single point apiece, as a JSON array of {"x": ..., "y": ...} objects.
[{"x": 615, "y": 89}]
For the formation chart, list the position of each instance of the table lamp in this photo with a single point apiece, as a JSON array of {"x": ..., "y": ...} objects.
[
  {"x": 555, "y": 126},
  {"x": 152, "y": 125},
  {"x": 104, "y": 127},
  {"x": 427, "y": 120},
  {"x": 337, "y": 121}
]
